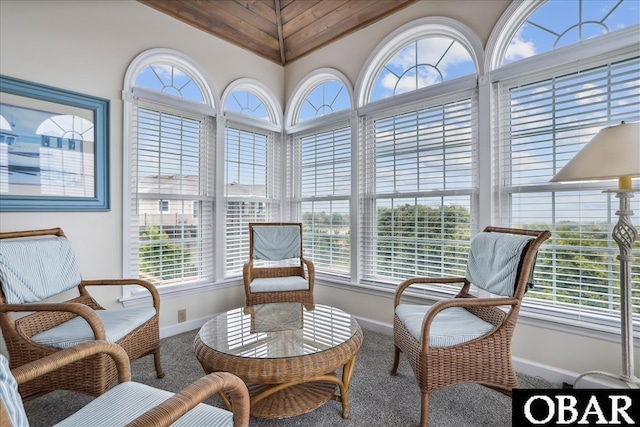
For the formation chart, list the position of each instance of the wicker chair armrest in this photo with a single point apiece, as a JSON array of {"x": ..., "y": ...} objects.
[
  {"x": 422, "y": 280},
  {"x": 87, "y": 313},
  {"x": 32, "y": 370},
  {"x": 311, "y": 272},
  {"x": 122, "y": 282},
  {"x": 247, "y": 274},
  {"x": 459, "y": 302},
  {"x": 182, "y": 402}
]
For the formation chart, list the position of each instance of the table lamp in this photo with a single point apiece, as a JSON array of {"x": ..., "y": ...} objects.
[{"x": 614, "y": 153}]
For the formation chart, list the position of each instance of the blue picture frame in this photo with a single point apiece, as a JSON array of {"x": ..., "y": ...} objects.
[{"x": 54, "y": 149}]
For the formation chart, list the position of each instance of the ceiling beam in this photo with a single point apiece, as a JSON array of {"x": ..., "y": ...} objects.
[{"x": 279, "y": 25}]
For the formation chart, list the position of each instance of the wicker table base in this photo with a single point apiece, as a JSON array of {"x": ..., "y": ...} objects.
[
  {"x": 282, "y": 387},
  {"x": 294, "y": 400}
]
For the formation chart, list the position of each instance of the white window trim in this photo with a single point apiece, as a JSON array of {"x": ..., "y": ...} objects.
[{"x": 211, "y": 100}]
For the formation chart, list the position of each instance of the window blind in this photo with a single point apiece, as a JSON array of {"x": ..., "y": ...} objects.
[
  {"x": 322, "y": 185},
  {"x": 252, "y": 188},
  {"x": 544, "y": 120},
  {"x": 418, "y": 181},
  {"x": 171, "y": 173}
]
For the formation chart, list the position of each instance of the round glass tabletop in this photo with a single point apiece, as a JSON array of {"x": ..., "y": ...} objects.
[{"x": 278, "y": 330}]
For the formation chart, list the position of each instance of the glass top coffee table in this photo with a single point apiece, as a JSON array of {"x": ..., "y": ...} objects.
[{"x": 286, "y": 353}]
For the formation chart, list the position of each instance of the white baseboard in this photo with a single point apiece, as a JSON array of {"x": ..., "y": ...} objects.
[
  {"x": 187, "y": 326},
  {"x": 525, "y": 366}
]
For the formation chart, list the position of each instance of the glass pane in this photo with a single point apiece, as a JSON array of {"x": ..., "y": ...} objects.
[
  {"x": 170, "y": 80},
  {"x": 244, "y": 102},
  {"x": 326, "y": 98},
  {"x": 422, "y": 63}
]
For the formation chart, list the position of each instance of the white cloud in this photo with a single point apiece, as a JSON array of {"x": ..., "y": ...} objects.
[
  {"x": 591, "y": 95},
  {"x": 519, "y": 48}
]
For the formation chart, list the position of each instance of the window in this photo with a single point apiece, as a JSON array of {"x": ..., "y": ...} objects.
[
  {"x": 163, "y": 206},
  {"x": 252, "y": 173},
  {"x": 546, "y": 115},
  {"x": 170, "y": 158},
  {"x": 319, "y": 152},
  {"x": 418, "y": 173}
]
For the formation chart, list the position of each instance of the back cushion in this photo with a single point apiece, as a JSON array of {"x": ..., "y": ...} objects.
[
  {"x": 33, "y": 269},
  {"x": 494, "y": 261},
  {"x": 276, "y": 242},
  {"x": 9, "y": 396}
]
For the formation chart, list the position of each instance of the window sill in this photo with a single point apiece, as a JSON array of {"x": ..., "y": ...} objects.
[{"x": 179, "y": 290}]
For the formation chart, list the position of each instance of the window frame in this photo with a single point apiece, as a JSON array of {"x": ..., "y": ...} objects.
[
  {"x": 296, "y": 130},
  {"x": 612, "y": 47},
  {"x": 446, "y": 91},
  {"x": 131, "y": 295},
  {"x": 272, "y": 129}
]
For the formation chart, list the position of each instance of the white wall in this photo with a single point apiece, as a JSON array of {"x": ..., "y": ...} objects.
[{"x": 86, "y": 46}]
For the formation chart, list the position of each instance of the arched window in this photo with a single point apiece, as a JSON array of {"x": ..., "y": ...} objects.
[
  {"x": 327, "y": 97},
  {"x": 555, "y": 24},
  {"x": 252, "y": 159},
  {"x": 562, "y": 70},
  {"x": 319, "y": 155},
  {"x": 418, "y": 108},
  {"x": 420, "y": 63},
  {"x": 169, "y": 170}
]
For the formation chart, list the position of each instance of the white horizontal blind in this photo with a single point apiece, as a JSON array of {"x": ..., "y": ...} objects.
[
  {"x": 544, "y": 121},
  {"x": 252, "y": 188},
  {"x": 323, "y": 161},
  {"x": 418, "y": 187},
  {"x": 172, "y": 195}
]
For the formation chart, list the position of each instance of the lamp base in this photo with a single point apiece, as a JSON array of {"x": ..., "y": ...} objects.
[{"x": 630, "y": 382}]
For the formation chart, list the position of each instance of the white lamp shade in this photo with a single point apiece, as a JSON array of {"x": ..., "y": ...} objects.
[{"x": 613, "y": 153}]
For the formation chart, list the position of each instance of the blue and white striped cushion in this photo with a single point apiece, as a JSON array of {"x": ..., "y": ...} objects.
[
  {"x": 279, "y": 284},
  {"x": 117, "y": 324},
  {"x": 493, "y": 261},
  {"x": 276, "y": 242},
  {"x": 127, "y": 401},
  {"x": 10, "y": 396},
  {"x": 451, "y": 326},
  {"x": 34, "y": 269}
]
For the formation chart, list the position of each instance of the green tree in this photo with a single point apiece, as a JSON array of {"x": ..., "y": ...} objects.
[{"x": 159, "y": 257}]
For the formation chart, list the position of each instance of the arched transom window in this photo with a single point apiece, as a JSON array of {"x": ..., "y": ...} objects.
[
  {"x": 169, "y": 80},
  {"x": 326, "y": 98},
  {"x": 422, "y": 63},
  {"x": 557, "y": 24}
]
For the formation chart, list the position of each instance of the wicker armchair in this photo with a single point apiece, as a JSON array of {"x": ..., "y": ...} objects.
[
  {"x": 466, "y": 338},
  {"x": 128, "y": 403},
  {"x": 287, "y": 281},
  {"x": 36, "y": 265}
]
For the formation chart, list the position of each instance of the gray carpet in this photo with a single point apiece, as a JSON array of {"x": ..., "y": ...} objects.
[{"x": 377, "y": 398}]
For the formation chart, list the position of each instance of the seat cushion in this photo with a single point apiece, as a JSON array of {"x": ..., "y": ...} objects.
[
  {"x": 117, "y": 324},
  {"x": 10, "y": 397},
  {"x": 127, "y": 401},
  {"x": 451, "y": 326},
  {"x": 279, "y": 284}
]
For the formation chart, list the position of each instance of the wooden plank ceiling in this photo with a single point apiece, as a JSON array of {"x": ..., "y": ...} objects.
[{"x": 279, "y": 30}]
